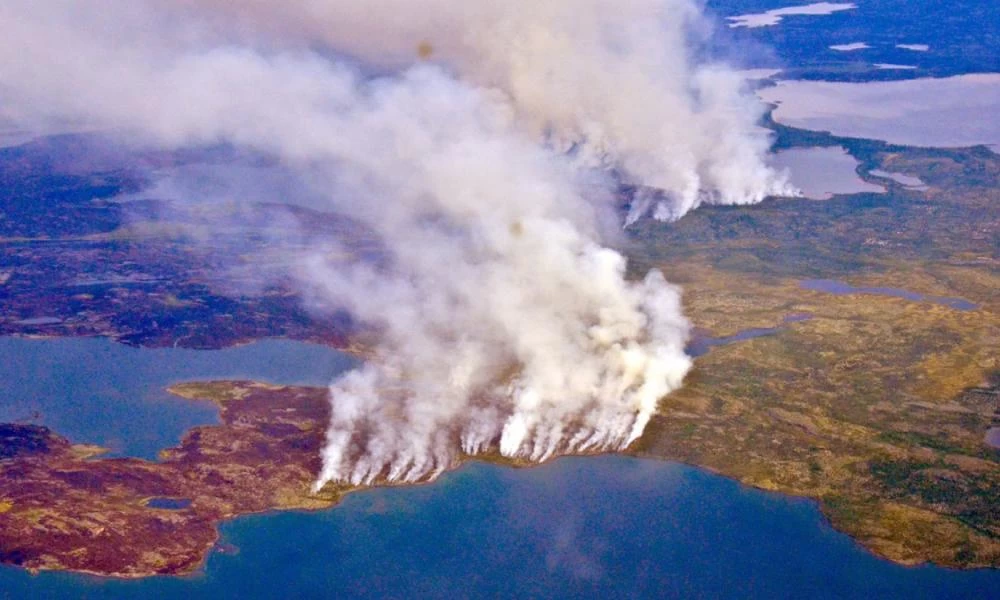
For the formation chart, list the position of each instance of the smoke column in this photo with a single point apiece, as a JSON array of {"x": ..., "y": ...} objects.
[
  {"x": 613, "y": 80},
  {"x": 483, "y": 142}
]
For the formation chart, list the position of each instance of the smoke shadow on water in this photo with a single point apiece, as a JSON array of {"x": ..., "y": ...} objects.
[{"x": 608, "y": 526}]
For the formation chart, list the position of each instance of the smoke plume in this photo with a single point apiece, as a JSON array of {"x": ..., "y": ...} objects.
[{"x": 484, "y": 143}]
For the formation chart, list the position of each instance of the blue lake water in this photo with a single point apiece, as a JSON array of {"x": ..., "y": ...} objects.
[
  {"x": 608, "y": 526},
  {"x": 605, "y": 527},
  {"x": 169, "y": 503},
  {"x": 832, "y": 286},
  {"x": 992, "y": 438},
  {"x": 96, "y": 391},
  {"x": 701, "y": 344}
]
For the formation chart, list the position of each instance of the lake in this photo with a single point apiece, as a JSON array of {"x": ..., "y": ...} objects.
[
  {"x": 951, "y": 111},
  {"x": 907, "y": 181},
  {"x": 775, "y": 16},
  {"x": 608, "y": 526},
  {"x": 97, "y": 391},
  {"x": 820, "y": 173},
  {"x": 839, "y": 288}
]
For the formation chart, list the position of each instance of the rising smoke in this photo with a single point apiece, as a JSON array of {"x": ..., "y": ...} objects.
[{"x": 483, "y": 141}]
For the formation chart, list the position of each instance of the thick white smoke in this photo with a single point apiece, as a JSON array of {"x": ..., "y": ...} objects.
[
  {"x": 483, "y": 142},
  {"x": 613, "y": 80}
]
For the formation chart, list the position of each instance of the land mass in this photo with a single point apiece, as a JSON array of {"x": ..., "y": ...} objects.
[
  {"x": 63, "y": 508},
  {"x": 872, "y": 395},
  {"x": 149, "y": 272}
]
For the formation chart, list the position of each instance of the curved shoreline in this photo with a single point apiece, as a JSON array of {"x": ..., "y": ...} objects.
[{"x": 247, "y": 409}]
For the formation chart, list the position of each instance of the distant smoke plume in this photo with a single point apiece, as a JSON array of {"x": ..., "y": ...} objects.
[
  {"x": 610, "y": 79},
  {"x": 483, "y": 141}
]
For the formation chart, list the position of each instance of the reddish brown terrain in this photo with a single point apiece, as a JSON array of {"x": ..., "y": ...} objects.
[{"x": 62, "y": 508}]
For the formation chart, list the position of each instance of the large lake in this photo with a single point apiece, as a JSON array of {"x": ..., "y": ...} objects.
[
  {"x": 96, "y": 391},
  {"x": 577, "y": 527},
  {"x": 951, "y": 111}
]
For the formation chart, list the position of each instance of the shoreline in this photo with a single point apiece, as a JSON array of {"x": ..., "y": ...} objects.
[{"x": 332, "y": 495}]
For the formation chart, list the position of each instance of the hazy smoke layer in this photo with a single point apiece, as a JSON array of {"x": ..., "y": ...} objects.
[
  {"x": 482, "y": 152},
  {"x": 611, "y": 80}
]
